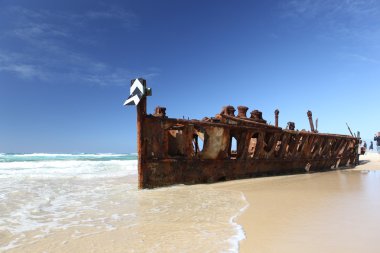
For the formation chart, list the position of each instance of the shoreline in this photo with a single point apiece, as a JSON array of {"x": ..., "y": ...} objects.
[
  {"x": 292, "y": 214},
  {"x": 312, "y": 212}
]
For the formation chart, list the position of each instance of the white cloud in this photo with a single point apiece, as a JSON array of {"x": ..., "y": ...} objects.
[
  {"x": 21, "y": 66},
  {"x": 49, "y": 41},
  {"x": 126, "y": 18},
  {"x": 25, "y": 71},
  {"x": 324, "y": 8},
  {"x": 352, "y": 23},
  {"x": 361, "y": 58}
]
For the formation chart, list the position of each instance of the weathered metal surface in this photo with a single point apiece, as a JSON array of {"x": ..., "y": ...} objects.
[{"x": 178, "y": 151}]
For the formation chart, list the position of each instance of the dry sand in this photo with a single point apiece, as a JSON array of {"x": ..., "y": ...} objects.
[{"x": 337, "y": 211}]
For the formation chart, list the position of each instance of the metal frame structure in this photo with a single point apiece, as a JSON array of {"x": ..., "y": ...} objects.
[{"x": 179, "y": 151}]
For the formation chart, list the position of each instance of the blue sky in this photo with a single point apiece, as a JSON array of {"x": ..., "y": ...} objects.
[{"x": 65, "y": 66}]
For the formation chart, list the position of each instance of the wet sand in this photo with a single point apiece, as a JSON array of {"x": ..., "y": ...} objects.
[
  {"x": 111, "y": 215},
  {"x": 337, "y": 211}
]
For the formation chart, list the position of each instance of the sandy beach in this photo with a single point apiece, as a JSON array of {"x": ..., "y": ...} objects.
[
  {"x": 189, "y": 126},
  {"x": 95, "y": 206},
  {"x": 335, "y": 211},
  {"x": 91, "y": 203}
]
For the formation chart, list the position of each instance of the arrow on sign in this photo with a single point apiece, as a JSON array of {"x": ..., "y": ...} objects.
[
  {"x": 137, "y": 92},
  {"x": 137, "y": 85}
]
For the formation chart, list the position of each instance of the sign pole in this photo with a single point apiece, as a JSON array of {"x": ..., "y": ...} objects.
[
  {"x": 137, "y": 97},
  {"x": 141, "y": 112}
]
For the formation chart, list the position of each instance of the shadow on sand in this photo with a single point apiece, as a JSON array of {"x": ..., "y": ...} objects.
[{"x": 363, "y": 162}]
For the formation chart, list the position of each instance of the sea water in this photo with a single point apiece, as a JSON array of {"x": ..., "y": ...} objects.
[{"x": 90, "y": 203}]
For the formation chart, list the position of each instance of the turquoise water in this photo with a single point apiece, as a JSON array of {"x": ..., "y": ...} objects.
[
  {"x": 65, "y": 157},
  {"x": 15, "y": 166}
]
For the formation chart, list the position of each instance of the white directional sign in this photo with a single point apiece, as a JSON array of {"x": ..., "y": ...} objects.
[{"x": 136, "y": 93}]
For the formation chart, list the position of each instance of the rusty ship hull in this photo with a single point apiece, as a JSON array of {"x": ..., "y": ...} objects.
[{"x": 179, "y": 151}]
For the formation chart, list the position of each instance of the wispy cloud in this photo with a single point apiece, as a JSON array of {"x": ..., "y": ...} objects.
[
  {"x": 63, "y": 20},
  {"x": 323, "y": 8},
  {"x": 353, "y": 23},
  {"x": 126, "y": 18},
  {"x": 362, "y": 58},
  {"x": 22, "y": 70},
  {"x": 357, "y": 18},
  {"x": 21, "y": 65},
  {"x": 48, "y": 43}
]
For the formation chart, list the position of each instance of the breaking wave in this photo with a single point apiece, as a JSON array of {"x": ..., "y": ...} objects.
[{"x": 67, "y": 165}]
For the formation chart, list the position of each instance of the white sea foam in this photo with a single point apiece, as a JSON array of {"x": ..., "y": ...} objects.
[
  {"x": 40, "y": 206},
  {"x": 68, "y": 168},
  {"x": 240, "y": 235},
  {"x": 61, "y": 154},
  {"x": 38, "y": 198},
  {"x": 46, "y": 194}
]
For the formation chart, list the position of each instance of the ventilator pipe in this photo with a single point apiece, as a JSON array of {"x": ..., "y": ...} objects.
[
  {"x": 276, "y": 113},
  {"x": 310, "y": 116},
  {"x": 230, "y": 110},
  {"x": 242, "y": 111}
]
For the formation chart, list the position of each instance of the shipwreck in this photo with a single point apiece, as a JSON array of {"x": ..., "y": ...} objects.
[{"x": 228, "y": 146}]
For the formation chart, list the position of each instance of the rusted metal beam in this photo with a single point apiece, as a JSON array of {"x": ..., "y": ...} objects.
[{"x": 141, "y": 114}]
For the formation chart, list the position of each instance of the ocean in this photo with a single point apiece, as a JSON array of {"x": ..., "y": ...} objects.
[{"x": 90, "y": 203}]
